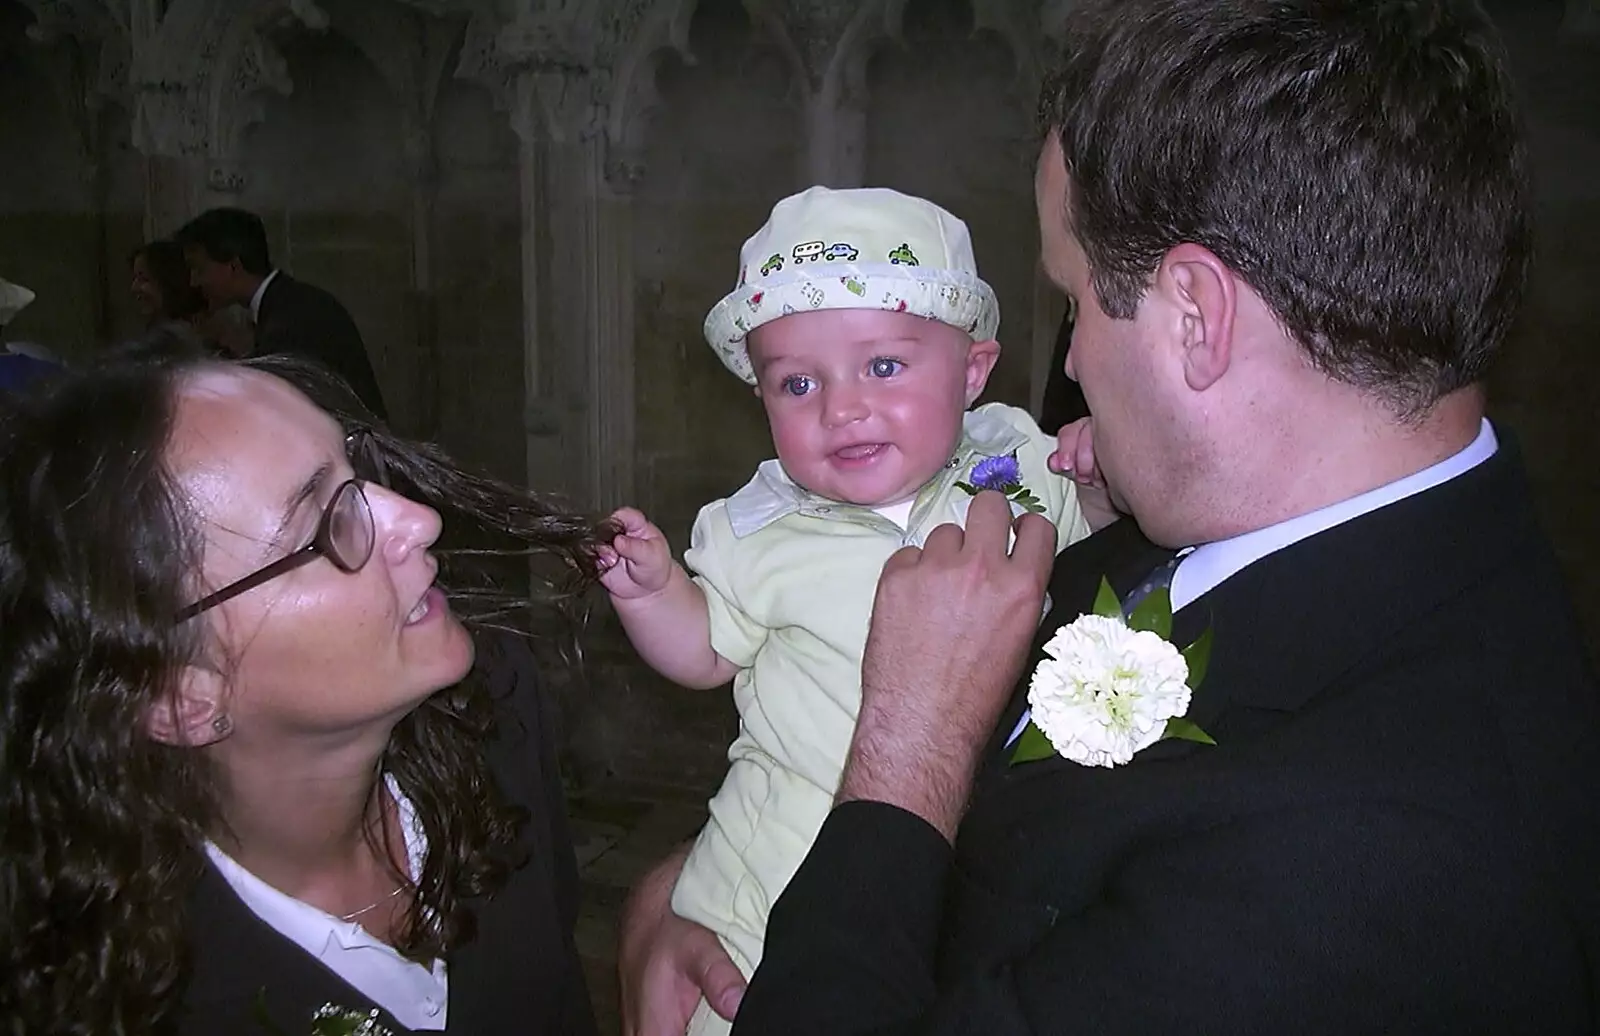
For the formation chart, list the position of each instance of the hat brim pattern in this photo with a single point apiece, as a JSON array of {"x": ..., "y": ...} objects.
[{"x": 958, "y": 299}]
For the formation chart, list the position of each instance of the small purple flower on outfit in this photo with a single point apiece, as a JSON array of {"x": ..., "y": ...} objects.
[{"x": 999, "y": 473}]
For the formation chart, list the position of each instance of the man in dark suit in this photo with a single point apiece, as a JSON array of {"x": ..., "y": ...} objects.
[
  {"x": 228, "y": 261},
  {"x": 1063, "y": 398},
  {"x": 1297, "y": 232}
]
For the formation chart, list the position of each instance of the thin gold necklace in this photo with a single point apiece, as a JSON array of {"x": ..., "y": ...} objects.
[{"x": 375, "y": 904}]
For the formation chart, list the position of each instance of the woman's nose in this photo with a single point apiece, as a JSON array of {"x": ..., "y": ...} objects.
[{"x": 400, "y": 524}]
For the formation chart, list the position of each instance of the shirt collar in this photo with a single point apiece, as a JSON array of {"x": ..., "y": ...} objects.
[
  {"x": 1208, "y": 565},
  {"x": 317, "y": 932},
  {"x": 261, "y": 289},
  {"x": 771, "y": 494}
]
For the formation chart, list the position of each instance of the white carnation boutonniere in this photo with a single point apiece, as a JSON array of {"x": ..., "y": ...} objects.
[
  {"x": 1111, "y": 686},
  {"x": 333, "y": 1020},
  {"x": 328, "y": 1020}
]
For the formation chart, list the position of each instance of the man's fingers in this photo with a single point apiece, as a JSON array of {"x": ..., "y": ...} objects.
[
  {"x": 988, "y": 522},
  {"x": 1035, "y": 548},
  {"x": 906, "y": 557},
  {"x": 721, "y": 983}
]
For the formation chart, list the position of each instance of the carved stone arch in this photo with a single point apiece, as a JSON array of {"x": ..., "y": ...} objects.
[
  {"x": 1020, "y": 27},
  {"x": 92, "y": 39},
  {"x": 202, "y": 79},
  {"x": 81, "y": 19},
  {"x": 651, "y": 30},
  {"x": 827, "y": 43},
  {"x": 409, "y": 47},
  {"x": 1053, "y": 16},
  {"x": 1581, "y": 18}
]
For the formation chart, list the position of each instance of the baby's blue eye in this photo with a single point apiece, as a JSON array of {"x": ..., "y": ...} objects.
[
  {"x": 797, "y": 384},
  {"x": 884, "y": 367}
]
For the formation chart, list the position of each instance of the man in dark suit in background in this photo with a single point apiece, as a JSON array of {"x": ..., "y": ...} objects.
[
  {"x": 228, "y": 260},
  {"x": 1297, "y": 233}
]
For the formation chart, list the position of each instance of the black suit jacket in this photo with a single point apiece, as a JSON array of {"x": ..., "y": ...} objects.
[
  {"x": 300, "y": 319},
  {"x": 1395, "y": 833},
  {"x": 1063, "y": 400},
  {"x": 520, "y": 976}
]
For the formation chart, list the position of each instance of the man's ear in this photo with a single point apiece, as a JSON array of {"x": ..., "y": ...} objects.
[
  {"x": 1204, "y": 291},
  {"x": 192, "y": 714},
  {"x": 981, "y": 358}
]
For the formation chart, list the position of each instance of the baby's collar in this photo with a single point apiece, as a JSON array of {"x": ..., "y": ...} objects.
[{"x": 771, "y": 494}]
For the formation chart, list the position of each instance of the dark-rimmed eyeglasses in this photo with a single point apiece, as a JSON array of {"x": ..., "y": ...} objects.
[{"x": 344, "y": 536}]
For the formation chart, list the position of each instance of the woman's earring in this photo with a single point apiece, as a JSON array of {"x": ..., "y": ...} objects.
[{"x": 222, "y": 724}]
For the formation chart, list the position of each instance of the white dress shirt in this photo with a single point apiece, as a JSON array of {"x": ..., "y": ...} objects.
[
  {"x": 1204, "y": 567},
  {"x": 255, "y": 297},
  {"x": 1209, "y": 564},
  {"x": 417, "y": 996}
]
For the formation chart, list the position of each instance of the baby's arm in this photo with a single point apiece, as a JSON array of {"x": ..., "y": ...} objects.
[
  {"x": 661, "y": 608},
  {"x": 1074, "y": 458}
]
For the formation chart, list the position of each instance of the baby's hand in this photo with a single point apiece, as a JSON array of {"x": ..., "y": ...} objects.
[
  {"x": 1074, "y": 456},
  {"x": 638, "y": 562}
]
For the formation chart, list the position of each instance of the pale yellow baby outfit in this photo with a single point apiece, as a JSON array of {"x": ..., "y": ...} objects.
[{"x": 790, "y": 579}]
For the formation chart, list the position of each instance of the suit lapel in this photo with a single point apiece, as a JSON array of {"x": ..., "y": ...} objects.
[
  {"x": 240, "y": 959},
  {"x": 1291, "y": 624}
]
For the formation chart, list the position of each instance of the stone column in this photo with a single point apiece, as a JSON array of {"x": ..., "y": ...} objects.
[
  {"x": 1582, "y": 18},
  {"x": 582, "y": 386},
  {"x": 828, "y": 44},
  {"x": 88, "y": 56},
  {"x": 577, "y": 252},
  {"x": 410, "y": 50},
  {"x": 542, "y": 420},
  {"x": 171, "y": 192},
  {"x": 197, "y": 75},
  {"x": 592, "y": 284},
  {"x": 423, "y": 175}
]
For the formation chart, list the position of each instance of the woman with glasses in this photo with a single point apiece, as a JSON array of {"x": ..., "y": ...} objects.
[{"x": 250, "y": 779}]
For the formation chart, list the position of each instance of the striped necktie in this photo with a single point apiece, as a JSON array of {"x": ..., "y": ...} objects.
[{"x": 1159, "y": 578}]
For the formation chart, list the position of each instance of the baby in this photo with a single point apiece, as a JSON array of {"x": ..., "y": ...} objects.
[{"x": 861, "y": 322}]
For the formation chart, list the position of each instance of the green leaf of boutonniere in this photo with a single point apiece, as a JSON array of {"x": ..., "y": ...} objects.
[
  {"x": 1106, "y": 604},
  {"x": 1183, "y": 730},
  {"x": 258, "y": 1007},
  {"x": 1032, "y": 745},
  {"x": 1198, "y": 655},
  {"x": 1094, "y": 740},
  {"x": 967, "y": 488},
  {"x": 1028, "y": 501},
  {"x": 1154, "y": 613}
]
